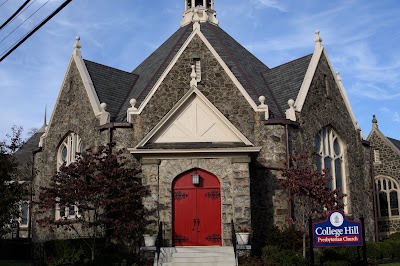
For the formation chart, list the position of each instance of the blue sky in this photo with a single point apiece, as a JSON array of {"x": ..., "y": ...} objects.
[{"x": 361, "y": 38}]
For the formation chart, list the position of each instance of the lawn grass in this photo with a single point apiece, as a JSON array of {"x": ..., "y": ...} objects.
[{"x": 391, "y": 264}]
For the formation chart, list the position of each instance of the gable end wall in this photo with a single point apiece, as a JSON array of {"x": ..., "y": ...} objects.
[{"x": 320, "y": 111}]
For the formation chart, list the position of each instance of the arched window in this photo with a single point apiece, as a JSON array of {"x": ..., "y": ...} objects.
[
  {"x": 68, "y": 151},
  {"x": 330, "y": 154},
  {"x": 388, "y": 196}
]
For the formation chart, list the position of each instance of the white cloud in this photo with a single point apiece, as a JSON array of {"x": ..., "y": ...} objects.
[
  {"x": 396, "y": 117},
  {"x": 270, "y": 4},
  {"x": 372, "y": 91}
]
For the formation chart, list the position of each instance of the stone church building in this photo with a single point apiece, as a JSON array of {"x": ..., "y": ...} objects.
[
  {"x": 386, "y": 161},
  {"x": 211, "y": 126}
]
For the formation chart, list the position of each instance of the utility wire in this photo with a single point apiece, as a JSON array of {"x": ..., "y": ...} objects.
[
  {"x": 15, "y": 14},
  {"x": 35, "y": 29},
  {"x": 3, "y": 3},
  {"x": 22, "y": 11},
  {"x": 24, "y": 21}
]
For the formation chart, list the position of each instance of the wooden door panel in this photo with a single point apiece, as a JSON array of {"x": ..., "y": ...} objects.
[
  {"x": 185, "y": 230},
  {"x": 197, "y": 210},
  {"x": 209, "y": 213}
]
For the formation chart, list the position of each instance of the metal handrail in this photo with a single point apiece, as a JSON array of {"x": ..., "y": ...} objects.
[
  {"x": 159, "y": 240},
  {"x": 234, "y": 240}
]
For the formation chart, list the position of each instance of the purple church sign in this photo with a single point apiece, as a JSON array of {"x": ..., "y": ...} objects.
[{"x": 337, "y": 231}]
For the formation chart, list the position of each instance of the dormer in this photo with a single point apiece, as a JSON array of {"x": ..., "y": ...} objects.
[{"x": 204, "y": 9}]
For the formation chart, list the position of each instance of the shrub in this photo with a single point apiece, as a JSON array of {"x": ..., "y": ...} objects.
[
  {"x": 395, "y": 237},
  {"x": 337, "y": 263},
  {"x": 287, "y": 238},
  {"x": 274, "y": 255},
  {"x": 250, "y": 261},
  {"x": 65, "y": 252}
]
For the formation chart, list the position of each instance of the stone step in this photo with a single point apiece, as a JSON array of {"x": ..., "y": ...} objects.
[
  {"x": 199, "y": 256},
  {"x": 203, "y": 264}
]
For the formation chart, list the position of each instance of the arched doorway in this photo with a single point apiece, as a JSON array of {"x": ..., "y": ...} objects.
[{"x": 196, "y": 210}]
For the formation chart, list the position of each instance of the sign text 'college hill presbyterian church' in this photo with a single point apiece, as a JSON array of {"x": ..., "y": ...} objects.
[{"x": 337, "y": 231}]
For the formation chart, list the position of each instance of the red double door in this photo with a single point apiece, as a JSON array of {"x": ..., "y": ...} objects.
[{"x": 197, "y": 210}]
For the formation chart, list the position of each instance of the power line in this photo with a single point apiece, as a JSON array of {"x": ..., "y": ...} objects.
[
  {"x": 3, "y": 3},
  {"x": 24, "y": 21},
  {"x": 15, "y": 14},
  {"x": 35, "y": 29},
  {"x": 23, "y": 11}
]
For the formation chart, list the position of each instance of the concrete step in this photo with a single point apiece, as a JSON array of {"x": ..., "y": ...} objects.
[
  {"x": 198, "y": 256},
  {"x": 203, "y": 264}
]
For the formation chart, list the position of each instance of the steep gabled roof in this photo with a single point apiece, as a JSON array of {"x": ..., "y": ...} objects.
[
  {"x": 285, "y": 81},
  {"x": 24, "y": 156},
  {"x": 245, "y": 66},
  {"x": 116, "y": 87},
  {"x": 112, "y": 85},
  {"x": 395, "y": 142}
]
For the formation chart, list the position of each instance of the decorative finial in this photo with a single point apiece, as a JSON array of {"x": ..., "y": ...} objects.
[
  {"x": 291, "y": 103},
  {"x": 133, "y": 103},
  {"x": 339, "y": 78},
  {"x": 43, "y": 128},
  {"x": 291, "y": 112},
  {"x": 193, "y": 76},
  {"x": 317, "y": 38},
  {"x": 131, "y": 110},
  {"x": 263, "y": 107},
  {"x": 262, "y": 101},
  {"x": 77, "y": 44},
  {"x": 374, "y": 122},
  {"x": 103, "y": 106},
  {"x": 104, "y": 115}
]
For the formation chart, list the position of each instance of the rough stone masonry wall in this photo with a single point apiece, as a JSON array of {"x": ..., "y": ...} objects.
[
  {"x": 388, "y": 166},
  {"x": 72, "y": 113},
  {"x": 325, "y": 107},
  {"x": 390, "y": 160},
  {"x": 266, "y": 202}
]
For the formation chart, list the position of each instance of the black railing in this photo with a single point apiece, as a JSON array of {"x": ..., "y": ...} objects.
[
  {"x": 159, "y": 240},
  {"x": 234, "y": 240}
]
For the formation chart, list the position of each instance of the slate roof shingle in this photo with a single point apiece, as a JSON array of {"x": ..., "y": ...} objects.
[
  {"x": 278, "y": 85},
  {"x": 285, "y": 81},
  {"x": 112, "y": 85},
  {"x": 24, "y": 156},
  {"x": 395, "y": 142}
]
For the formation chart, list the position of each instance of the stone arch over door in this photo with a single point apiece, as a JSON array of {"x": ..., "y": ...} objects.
[{"x": 196, "y": 209}]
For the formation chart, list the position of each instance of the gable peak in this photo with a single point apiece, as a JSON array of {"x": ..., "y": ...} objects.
[{"x": 199, "y": 11}]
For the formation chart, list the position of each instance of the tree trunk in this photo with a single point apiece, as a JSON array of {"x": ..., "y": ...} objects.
[{"x": 304, "y": 245}]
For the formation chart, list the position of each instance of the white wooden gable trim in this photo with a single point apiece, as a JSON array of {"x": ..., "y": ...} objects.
[
  {"x": 305, "y": 86},
  {"x": 195, "y": 32},
  {"x": 172, "y": 127},
  {"x": 87, "y": 81}
]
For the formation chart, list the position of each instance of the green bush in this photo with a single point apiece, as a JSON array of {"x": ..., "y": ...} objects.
[
  {"x": 250, "y": 261},
  {"x": 274, "y": 255},
  {"x": 394, "y": 247},
  {"x": 374, "y": 250},
  {"x": 65, "y": 252},
  {"x": 287, "y": 238},
  {"x": 395, "y": 237},
  {"x": 337, "y": 263}
]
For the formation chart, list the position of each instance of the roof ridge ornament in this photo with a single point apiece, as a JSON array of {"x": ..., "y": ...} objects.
[
  {"x": 193, "y": 77},
  {"x": 263, "y": 107},
  {"x": 374, "y": 122},
  {"x": 318, "y": 40},
  {"x": 77, "y": 46}
]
